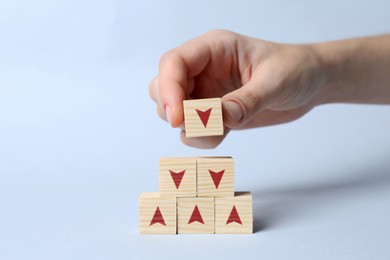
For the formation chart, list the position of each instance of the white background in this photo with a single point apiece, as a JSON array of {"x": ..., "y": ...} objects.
[{"x": 80, "y": 139}]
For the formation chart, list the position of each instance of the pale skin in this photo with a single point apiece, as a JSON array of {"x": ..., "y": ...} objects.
[{"x": 264, "y": 83}]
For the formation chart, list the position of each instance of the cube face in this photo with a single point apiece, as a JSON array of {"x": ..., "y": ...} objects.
[
  {"x": 203, "y": 117},
  {"x": 177, "y": 177},
  {"x": 234, "y": 215},
  {"x": 195, "y": 215},
  {"x": 157, "y": 215},
  {"x": 215, "y": 176}
]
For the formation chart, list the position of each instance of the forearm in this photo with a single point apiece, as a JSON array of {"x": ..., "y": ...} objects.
[{"x": 356, "y": 70}]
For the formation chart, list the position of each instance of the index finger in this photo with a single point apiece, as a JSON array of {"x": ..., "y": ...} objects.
[{"x": 177, "y": 69}]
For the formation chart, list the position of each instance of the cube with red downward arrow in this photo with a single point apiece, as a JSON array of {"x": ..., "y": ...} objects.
[
  {"x": 177, "y": 177},
  {"x": 157, "y": 215},
  {"x": 196, "y": 195},
  {"x": 234, "y": 215},
  {"x": 215, "y": 176},
  {"x": 195, "y": 215},
  {"x": 203, "y": 117}
]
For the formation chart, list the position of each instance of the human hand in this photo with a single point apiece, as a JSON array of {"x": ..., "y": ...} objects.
[{"x": 261, "y": 83}]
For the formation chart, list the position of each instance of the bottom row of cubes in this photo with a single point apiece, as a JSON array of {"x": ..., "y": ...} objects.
[{"x": 196, "y": 215}]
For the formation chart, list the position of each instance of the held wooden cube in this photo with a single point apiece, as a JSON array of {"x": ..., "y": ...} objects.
[
  {"x": 177, "y": 177},
  {"x": 234, "y": 215},
  {"x": 195, "y": 215},
  {"x": 203, "y": 117},
  {"x": 157, "y": 215},
  {"x": 215, "y": 176}
]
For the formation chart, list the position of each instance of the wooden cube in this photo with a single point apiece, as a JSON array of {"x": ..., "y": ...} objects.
[
  {"x": 234, "y": 215},
  {"x": 215, "y": 176},
  {"x": 177, "y": 177},
  {"x": 157, "y": 215},
  {"x": 203, "y": 117},
  {"x": 195, "y": 215}
]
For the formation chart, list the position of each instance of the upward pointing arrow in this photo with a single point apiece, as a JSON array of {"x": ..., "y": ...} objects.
[
  {"x": 196, "y": 216},
  {"x": 157, "y": 218},
  {"x": 234, "y": 217},
  {"x": 204, "y": 116}
]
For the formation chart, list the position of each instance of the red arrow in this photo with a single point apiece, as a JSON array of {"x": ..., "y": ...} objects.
[
  {"x": 157, "y": 218},
  {"x": 216, "y": 176},
  {"x": 204, "y": 116},
  {"x": 196, "y": 216},
  {"x": 234, "y": 217},
  {"x": 177, "y": 177}
]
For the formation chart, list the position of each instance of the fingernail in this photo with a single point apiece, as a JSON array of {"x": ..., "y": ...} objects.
[
  {"x": 234, "y": 110},
  {"x": 168, "y": 112}
]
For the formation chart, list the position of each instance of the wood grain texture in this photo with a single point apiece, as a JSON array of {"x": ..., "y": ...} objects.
[
  {"x": 242, "y": 201},
  {"x": 168, "y": 167},
  {"x": 148, "y": 203},
  {"x": 206, "y": 185},
  {"x": 185, "y": 209},
  {"x": 193, "y": 123}
]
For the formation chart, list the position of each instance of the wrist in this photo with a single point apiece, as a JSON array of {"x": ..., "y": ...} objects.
[
  {"x": 333, "y": 65},
  {"x": 355, "y": 70}
]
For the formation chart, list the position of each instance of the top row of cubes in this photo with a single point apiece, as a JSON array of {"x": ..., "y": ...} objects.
[{"x": 199, "y": 176}]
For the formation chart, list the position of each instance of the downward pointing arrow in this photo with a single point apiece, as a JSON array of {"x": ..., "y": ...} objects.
[
  {"x": 204, "y": 116},
  {"x": 216, "y": 176},
  {"x": 177, "y": 177}
]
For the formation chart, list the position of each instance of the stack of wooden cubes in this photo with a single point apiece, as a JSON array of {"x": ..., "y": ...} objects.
[{"x": 196, "y": 195}]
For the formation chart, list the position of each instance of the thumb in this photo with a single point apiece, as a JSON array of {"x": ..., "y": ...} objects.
[{"x": 241, "y": 105}]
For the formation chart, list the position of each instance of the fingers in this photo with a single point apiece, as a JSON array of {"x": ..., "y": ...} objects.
[
  {"x": 154, "y": 91},
  {"x": 154, "y": 94},
  {"x": 269, "y": 117},
  {"x": 200, "y": 142},
  {"x": 161, "y": 114},
  {"x": 175, "y": 81},
  {"x": 209, "y": 142},
  {"x": 241, "y": 105}
]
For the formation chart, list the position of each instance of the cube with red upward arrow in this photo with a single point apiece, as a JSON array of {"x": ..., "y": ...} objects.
[
  {"x": 233, "y": 215},
  {"x": 157, "y": 215},
  {"x": 195, "y": 215},
  {"x": 203, "y": 117}
]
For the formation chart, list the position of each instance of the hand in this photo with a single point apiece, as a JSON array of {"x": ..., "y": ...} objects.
[{"x": 261, "y": 83}]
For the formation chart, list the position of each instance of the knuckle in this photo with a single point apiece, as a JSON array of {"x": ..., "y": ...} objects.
[
  {"x": 220, "y": 32},
  {"x": 168, "y": 56}
]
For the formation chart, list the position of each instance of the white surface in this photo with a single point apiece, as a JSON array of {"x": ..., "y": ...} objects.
[{"x": 80, "y": 140}]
